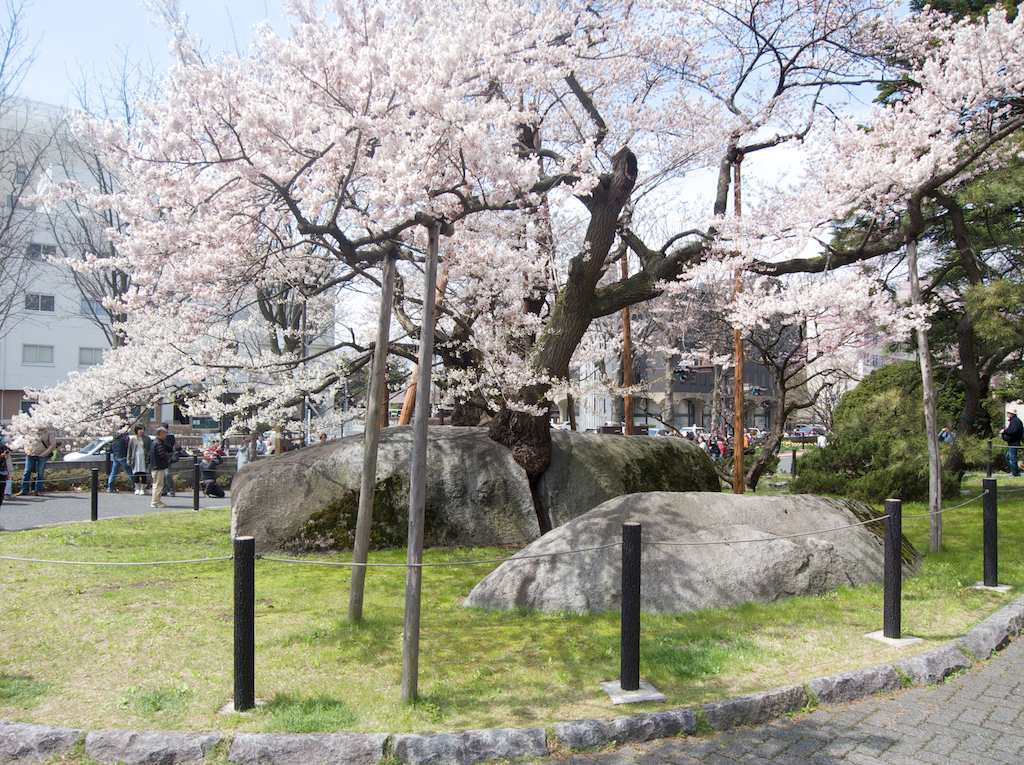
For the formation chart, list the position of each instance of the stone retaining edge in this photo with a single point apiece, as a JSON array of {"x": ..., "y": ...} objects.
[{"x": 30, "y": 743}]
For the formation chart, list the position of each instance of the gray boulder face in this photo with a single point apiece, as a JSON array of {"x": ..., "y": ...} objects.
[
  {"x": 588, "y": 469},
  {"x": 476, "y": 493},
  {"x": 676, "y": 579},
  {"x": 308, "y": 499}
]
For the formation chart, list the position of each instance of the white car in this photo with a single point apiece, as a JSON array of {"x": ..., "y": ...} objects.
[
  {"x": 695, "y": 430},
  {"x": 94, "y": 451}
]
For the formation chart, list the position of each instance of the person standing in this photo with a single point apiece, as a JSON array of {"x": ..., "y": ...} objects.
[
  {"x": 168, "y": 475},
  {"x": 5, "y": 485},
  {"x": 160, "y": 462},
  {"x": 5, "y": 469},
  {"x": 1012, "y": 435},
  {"x": 41, "y": 446},
  {"x": 138, "y": 456},
  {"x": 118, "y": 459}
]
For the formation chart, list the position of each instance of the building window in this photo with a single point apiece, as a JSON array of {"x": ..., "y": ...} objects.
[
  {"x": 20, "y": 175},
  {"x": 37, "y": 354},
  {"x": 37, "y": 302},
  {"x": 87, "y": 357},
  {"x": 90, "y": 307},
  {"x": 37, "y": 251}
]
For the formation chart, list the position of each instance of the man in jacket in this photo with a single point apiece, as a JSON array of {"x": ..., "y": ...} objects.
[
  {"x": 168, "y": 475},
  {"x": 118, "y": 459},
  {"x": 1012, "y": 434},
  {"x": 160, "y": 460},
  {"x": 38, "y": 450}
]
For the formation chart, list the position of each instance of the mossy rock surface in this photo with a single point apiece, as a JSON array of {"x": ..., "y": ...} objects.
[
  {"x": 476, "y": 493},
  {"x": 589, "y": 468}
]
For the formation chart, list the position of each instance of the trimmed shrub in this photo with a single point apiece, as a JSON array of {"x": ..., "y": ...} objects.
[{"x": 878, "y": 448}]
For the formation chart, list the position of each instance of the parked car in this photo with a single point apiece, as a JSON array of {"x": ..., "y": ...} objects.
[
  {"x": 94, "y": 451},
  {"x": 695, "y": 431},
  {"x": 806, "y": 433}
]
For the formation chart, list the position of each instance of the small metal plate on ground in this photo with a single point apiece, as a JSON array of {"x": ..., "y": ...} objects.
[
  {"x": 893, "y": 642},
  {"x": 997, "y": 588},
  {"x": 646, "y": 692}
]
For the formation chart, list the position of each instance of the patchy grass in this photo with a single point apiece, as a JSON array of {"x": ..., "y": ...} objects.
[{"x": 151, "y": 647}]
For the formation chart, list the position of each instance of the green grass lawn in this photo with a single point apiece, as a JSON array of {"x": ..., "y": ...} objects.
[{"x": 152, "y": 647}]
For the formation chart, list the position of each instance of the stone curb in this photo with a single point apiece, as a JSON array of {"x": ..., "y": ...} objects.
[{"x": 27, "y": 743}]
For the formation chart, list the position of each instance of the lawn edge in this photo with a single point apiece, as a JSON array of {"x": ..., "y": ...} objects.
[{"x": 32, "y": 743}]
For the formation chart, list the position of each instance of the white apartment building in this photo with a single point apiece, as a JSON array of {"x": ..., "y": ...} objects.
[{"x": 49, "y": 329}]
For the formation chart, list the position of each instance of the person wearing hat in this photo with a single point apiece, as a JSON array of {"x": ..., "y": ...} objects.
[{"x": 159, "y": 462}]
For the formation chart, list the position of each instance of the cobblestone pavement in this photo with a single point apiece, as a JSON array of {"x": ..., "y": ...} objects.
[
  {"x": 63, "y": 507},
  {"x": 976, "y": 718}
]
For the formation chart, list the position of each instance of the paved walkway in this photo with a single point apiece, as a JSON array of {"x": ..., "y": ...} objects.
[
  {"x": 62, "y": 507},
  {"x": 977, "y": 718}
]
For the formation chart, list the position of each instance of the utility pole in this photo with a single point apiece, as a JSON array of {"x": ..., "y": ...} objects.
[
  {"x": 627, "y": 359},
  {"x": 738, "y": 481}
]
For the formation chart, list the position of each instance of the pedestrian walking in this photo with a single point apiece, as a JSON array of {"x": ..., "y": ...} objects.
[
  {"x": 138, "y": 458},
  {"x": 39, "y": 449},
  {"x": 168, "y": 475},
  {"x": 208, "y": 467},
  {"x": 160, "y": 462},
  {"x": 1012, "y": 434},
  {"x": 6, "y": 468},
  {"x": 323, "y": 438},
  {"x": 118, "y": 450}
]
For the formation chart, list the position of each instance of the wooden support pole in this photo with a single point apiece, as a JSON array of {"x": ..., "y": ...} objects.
[
  {"x": 371, "y": 440},
  {"x": 627, "y": 359},
  {"x": 418, "y": 480},
  {"x": 738, "y": 478}
]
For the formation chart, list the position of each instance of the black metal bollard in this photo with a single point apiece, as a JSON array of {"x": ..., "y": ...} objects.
[
  {"x": 94, "y": 494},
  {"x": 893, "y": 569},
  {"x": 989, "y": 473},
  {"x": 195, "y": 483},
  {"x": 990, "y": 536},
  {"x": 629, "y": 649},
  {"x": 792, "y": 467},
  {"x": 245, "y": 617}
]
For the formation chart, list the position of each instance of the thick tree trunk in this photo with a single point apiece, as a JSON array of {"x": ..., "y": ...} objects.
[
  {"x": 771, "y": 446},
  {"x": 575, "y": 307},
  {"x": 931, "y": 427}
]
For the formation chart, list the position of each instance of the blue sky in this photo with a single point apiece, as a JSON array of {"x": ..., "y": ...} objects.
[{"x": 75, "y": 36}]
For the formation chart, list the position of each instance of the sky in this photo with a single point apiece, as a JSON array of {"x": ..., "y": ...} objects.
[{"x": 76, "y": 37}]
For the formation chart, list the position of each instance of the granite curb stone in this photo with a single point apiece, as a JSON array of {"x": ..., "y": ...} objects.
[
  {"x": 25, "y": 742},
  {"x": 470, "y": 746},
  {"x": 588, "y": 734},
  {"x": 755, "y": 708},
  {"x": 149, "y": 747},
  {"x": 856, "y": 684},
  {"x": 307, "y": 748},
  {"x": 934, "y": 666},
  {"x": 30, "y": 743},
  {"x": 994, "y": 632}
]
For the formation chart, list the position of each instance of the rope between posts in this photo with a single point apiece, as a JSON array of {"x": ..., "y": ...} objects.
[
  {"x": 947, "y": 509},
  {"x": 437, "y": 564},
  {"x": 186, "y": 561}
]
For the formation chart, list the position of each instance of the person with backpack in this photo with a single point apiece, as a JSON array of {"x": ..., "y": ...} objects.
[
  {"x": 1012, "y": 434},
  {"x": 168, "y": 475}
]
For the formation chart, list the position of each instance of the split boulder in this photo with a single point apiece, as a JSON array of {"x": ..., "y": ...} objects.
[{"x": 684, "y": 565}]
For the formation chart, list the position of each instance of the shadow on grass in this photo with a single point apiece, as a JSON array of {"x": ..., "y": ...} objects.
[
  {"x": 319, "y": 713},
  {"x": 22, "y": 691}
]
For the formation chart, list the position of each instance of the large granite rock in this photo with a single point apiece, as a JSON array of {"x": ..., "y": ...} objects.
[
  {"x": 308, "y": 498},
  {"x": 476, "y": 493},
  {"x": 700, "y": 575},
  {"x": 588, "y": 469}
]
